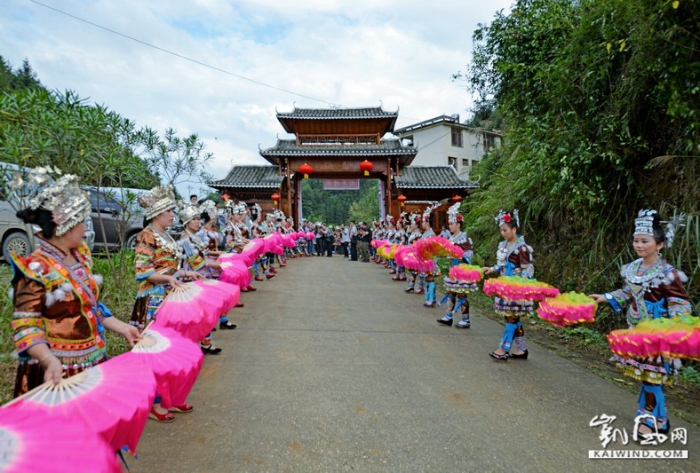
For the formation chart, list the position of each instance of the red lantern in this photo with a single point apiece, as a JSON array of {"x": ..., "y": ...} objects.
[
  {"x": 306, "y": 169},
  {"x": 366, "y": 166},
  {"x": 402, "y": 199},
  {"x": 457, "y": 198},
  {"x": 226, "y": 197},
  {"x": 275, "y": 198}
]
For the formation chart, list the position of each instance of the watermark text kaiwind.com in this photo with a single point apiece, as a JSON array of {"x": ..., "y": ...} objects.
[{"x": 610, "y": 436}]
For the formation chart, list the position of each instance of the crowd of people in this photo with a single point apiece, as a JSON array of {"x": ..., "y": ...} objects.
[{"x": 59, "y": 321}]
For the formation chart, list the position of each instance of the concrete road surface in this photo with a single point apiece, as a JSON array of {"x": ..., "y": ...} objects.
[{"x": 334, "y": 368}]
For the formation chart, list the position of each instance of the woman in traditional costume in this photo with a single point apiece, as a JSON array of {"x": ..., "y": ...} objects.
[
  {"x": 456, "y": 290},
  {"x": 513, "y": 258},
  {"x": 58, "y": 323},
  {"x": 157, "y": 264},
  {"x": 429, "y": 276},
  {"x": 653, "y": 289},
  {"x": 196, "y": 258},
  {"x": 414, "y": 234}
]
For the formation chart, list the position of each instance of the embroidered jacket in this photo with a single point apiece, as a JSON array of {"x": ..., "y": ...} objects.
[
  {"x": 463, "y": 241},
  {"x": 155, "y": 254},
  {"x": 57, "y": 305},
  {"x": 515, "y": 260},
  {"x": 656, "y": 292},
  {"x": 194, "y": 251}
]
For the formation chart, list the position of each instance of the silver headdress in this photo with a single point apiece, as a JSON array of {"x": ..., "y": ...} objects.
[
  {"x": 672, "y": 227},
  {"x": 188, "y": 211},
  {"x": 644, "y": 223},
  {"x": 68, "y": 204},
  {"x": 505, "y": 216},
  {"x": 431, "y": 207},
  {"x": 208, "y": 207},
  {"x": 240, "y": 209},
  {"x": 453, "y": 215},
  {"x": 157, "y": 200}
]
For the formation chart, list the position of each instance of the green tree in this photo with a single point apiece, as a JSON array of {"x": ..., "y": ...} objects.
[
  {"x": 600, "y": 102},
  {"x": 173, "y": 158}
]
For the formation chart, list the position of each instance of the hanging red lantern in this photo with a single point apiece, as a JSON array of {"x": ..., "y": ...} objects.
[
  {"x": 306, "y": 169},
  {"x": 366, "y": 166},
  {"x": 457, "y": 198},
  {"x": 402, "y": 199},
  {"x": 275, "y": 198}
]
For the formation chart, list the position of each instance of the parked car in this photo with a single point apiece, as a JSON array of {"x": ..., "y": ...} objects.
[
  {"x": 116, "y": 220},
  {"x": 15, "y": 235}
]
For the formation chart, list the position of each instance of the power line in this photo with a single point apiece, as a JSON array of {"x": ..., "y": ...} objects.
[{"x": 257, "y": 82}]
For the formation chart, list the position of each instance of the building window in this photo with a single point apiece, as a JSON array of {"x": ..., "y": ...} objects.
[
  {"x": 489, "y": 142},
  {"x": 457, "y": 137},
  {"x": 466, "y": 163},
  {"x": 452, "y": 161}
]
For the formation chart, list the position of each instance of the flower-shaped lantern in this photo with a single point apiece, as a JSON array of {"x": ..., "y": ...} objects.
[
  {"x": 366, "y": 166},
  {"x": 306, "y": 169}
]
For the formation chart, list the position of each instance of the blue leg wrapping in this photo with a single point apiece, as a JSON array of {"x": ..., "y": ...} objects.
[
  {"x": 659, "y": 408},
  {"x": 508, "y": 335},
  {"x": 430, "y": 291}
]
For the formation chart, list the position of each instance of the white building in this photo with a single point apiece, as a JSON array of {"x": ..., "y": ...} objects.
[{"x": 444, "y": 141}]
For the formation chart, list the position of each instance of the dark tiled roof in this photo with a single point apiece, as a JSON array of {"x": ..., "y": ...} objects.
[
  {"x": 250, "y": 176},
  {"x": 452, "y": 121},
  {"x": 431, "y": 177},
  {"x": 337, "y": 113},
  {"x": 291, "y": 148}
]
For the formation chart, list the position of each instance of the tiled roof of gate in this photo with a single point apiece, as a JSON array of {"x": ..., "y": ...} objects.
[
  {"x": 291, "y": 148},
  {"x": 250, "y": 176},
  {"x": 337, "y": 113},
  {"x": 431, "y": 177}
]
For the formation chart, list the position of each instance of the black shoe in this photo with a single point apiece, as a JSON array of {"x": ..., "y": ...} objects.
[
  {"x": 409, "y": 289},
  {"x": 227, "y": 326},
  {"x": 445, "y": 321},
  {"x": 210, "y": 351},
  {"x": 495, "y": 355},
  {"x": 521, "y": 356}
]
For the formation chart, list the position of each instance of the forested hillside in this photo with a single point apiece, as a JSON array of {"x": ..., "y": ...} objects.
[
  {"x": 336, "y": 207},
  {"x": 600, "y": 105}
]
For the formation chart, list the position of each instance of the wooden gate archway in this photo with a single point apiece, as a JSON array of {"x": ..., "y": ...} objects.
[{"x": 341, "y": 144}]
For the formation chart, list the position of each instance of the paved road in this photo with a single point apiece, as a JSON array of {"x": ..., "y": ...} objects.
[{"x": 334, "y": 368}]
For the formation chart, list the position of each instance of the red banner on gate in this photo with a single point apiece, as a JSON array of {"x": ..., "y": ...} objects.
[{"x": 341, "y": 184}]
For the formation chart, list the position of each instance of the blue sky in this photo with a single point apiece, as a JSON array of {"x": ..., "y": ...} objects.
[{"x": 398, "y": 53}]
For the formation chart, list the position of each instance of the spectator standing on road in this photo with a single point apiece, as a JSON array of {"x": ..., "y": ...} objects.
[
  {"x": 344, "y": 240},
  {"x": 320, "y": 242},
  {"x": 329, "y": 238},
  {"x": 353, "y": 241},
  {"x": 364, "y": 236}
]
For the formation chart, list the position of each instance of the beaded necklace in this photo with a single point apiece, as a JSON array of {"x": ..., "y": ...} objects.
[
  {"x": 649, "y": 278},
  {"x": 196, "y": 241},
  {"x": 166, "y": 241}
]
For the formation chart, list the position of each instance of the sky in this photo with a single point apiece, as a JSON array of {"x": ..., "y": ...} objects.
[{"x": 257, "y": 57}]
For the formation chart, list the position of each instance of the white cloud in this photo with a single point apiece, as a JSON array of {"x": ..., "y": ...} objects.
[{"x": 360, "y": 53}]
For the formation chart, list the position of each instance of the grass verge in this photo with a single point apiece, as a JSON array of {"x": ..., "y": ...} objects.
[{"x": 117, "y": 293}]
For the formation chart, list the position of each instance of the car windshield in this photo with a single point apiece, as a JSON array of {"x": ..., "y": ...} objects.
[{"x": 103, "y": 203}]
